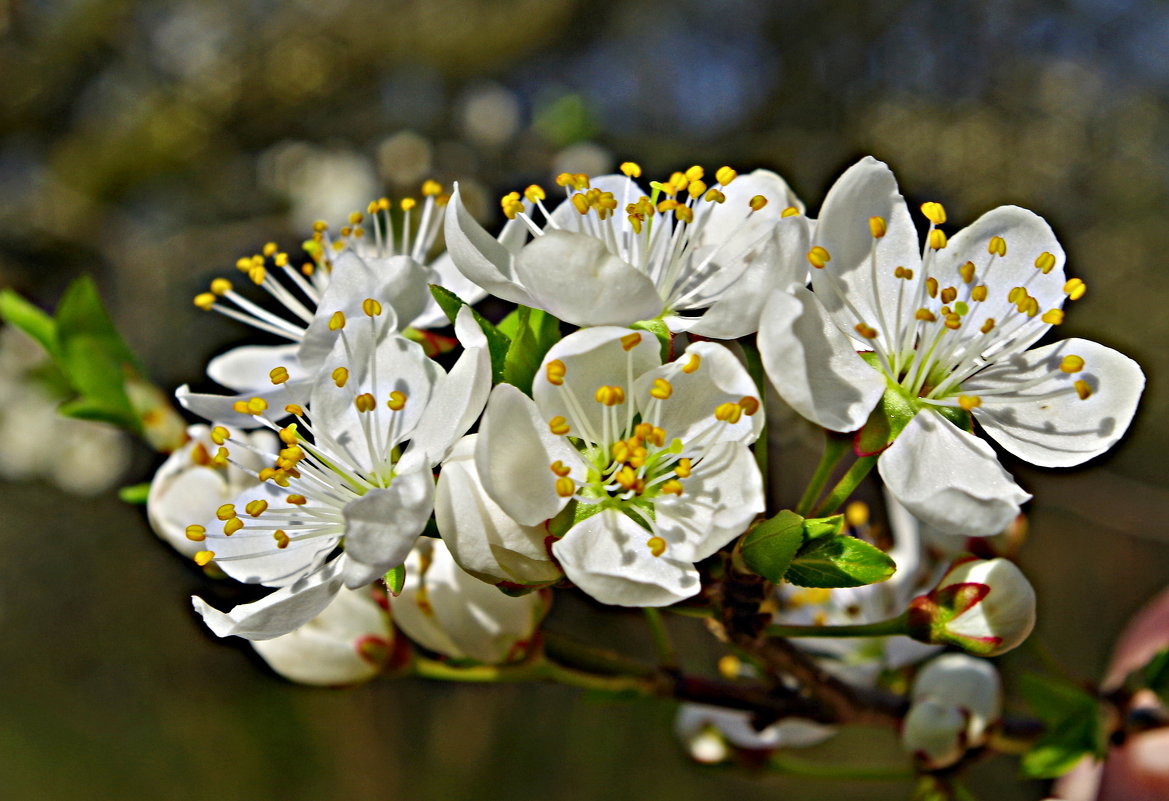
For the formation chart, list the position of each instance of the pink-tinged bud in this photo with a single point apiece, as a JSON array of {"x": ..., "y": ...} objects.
[
  {"x": 983, "y": 606},
  {"x": 954, "y": 702}
]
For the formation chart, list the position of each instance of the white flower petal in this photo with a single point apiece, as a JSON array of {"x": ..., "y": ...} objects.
[
  {"x": 949, "y": 478},
  {"x": 246, "y": 368},
  {"x": 721, "y": 498},
  {"x": 1059, "y": 431},
  {"x": 482, "y": 538},
  {"x": 444, "y": 273},
  {"x": 219, "y": 408},
  {"x": 608, "y": 557},
  {"x": 575, "y": 278},
  {"x": 514, "y": 454},
  {"x": 479, "y": 256},
  {"x": 278, "y": 613},
  {"x": 382, "y": 525},
  {"x": 813, "y": 366}
]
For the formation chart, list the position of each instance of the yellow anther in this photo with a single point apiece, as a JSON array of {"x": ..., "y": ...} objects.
[
  {"x": 631, "y": 169},
  {"x": 257, "y": 405},
  {"x": 384, "y": 204},
  {"x": 288, "y": 435},
  {"x": 431, "y": 188},
  {"x": 581, "y": 203},
  {"x": 856, "y": 514},
  {"x": 749, "y": 404},
  {"x": 661, "y": 389},
  {"x": 397, "y": 400},
  {"x": 232, "y": 526},
  {"x": 953, "y": 321},
  {"x": 997, "y": 246},
  {"x": 657, "y": 436},
  {"x": 730, "y": 666},
  {"x": 903, "y": 273},
  {"x": 934, "y": 212},
  {"x": 220, "y": 458},
  {"x": 790, "y": 211},
  {"x": 1071, "y": 364},
  {"x": 565, "y": 487},
  {"x": 267, "y": 473},
  {"x": 220, "y": 286},
  {"x": 371, "y": 209},
  {"x": 296, "y": 500},
  {"x": 692, "y": 363},
  {"x": 280, "y": 259},
  {"x": 560, "y": 468},
  {"x": 669, "y": 204},
  {"x": 219, "y": 435},
  {"x": 511, "y": 205},
  {"x": 1017, "y": 295},
  {"x": 925, "y": 315},
  {"x": 1053, "y": 317},
  {"x": 1030, "y": 306},
  {"x": 714, "y": 196},
  {"x": 270, "y": 249},
  {"x": 949, "y": 294},
  {"x": 407, "y": 203},
  {"x": 969, "y": 402},
  {"x": 554, "y": 371},
  {"x": 199, "y": 455},
  {"x": 865, "y": 330},
  {"x": 1083, "y": 389},
  {"x": 226, "y": 511},
  {"x": 630, "y": 341},
  {"x": 937, "y": 239},
  {"x": 818, "y": 257},
  {"x": 626, "y": 477},
  {"x": 558, "y": 425},
  {"x": 609, "y": 395},
  {"x": 196, "y": 533},
  {"x": 877, "y": 227},
  {"x": 683, "y": 468},
  {"x": 281, "y": 537},
  {"x": 684, "y": 214},
  {"x": 564, "y": 179},
  {"x": 695, "y": 173},
  {"x": 205, "y": 300},
  {"x": 257, "y": 507},
  {"x": 278, "y": 375},
  {"x": 203, "y": 558},
  {"x": 320, "y": 226},
  {"x": 621, "y": 451},
  {"x": 337, "y": 321},
  {"x": 672, "y": 487},
  {"x": 243, "y": 264},
  {"x": 931, "y": 286},
  {"x": 757, "y": 202},
  {"x": 535, "y": 192},
  {"x": 356, "y": 218},
  {"x": 978, "y": 293},
  {"x": 696, "y": 189},
  {"x": 257, "y": 275},
  {"x": 240, "y": 407},
  {"x": 987, "y": 326},
  {"x": 1045, "y": 263},
  {"x": 679, "y": 181},
  {"x": 365, "y": 402},
  {"x": 967, "y": 272},
  {"x": 295, "y": 409},
  {"x": 307, "y": 268},
  {"x": 371, "y": 308},
  {"x": 340, "y": 376},
  {"x": 1075, "y": 288},
  {"x": 656, "y": 545},
  {"x": 728, "y": 412},
  {"x": 643, "y": 430},
  {"x": 724, "y": 175}
]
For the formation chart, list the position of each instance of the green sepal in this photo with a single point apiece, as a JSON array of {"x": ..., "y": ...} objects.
[
  {"x": 959, "y": 417},
  {"x": 532, "y": 333},
  {"x": 1075, "y": 727},
  {"x": 888, "y": 419},
  {"x": 839, "y": 561},
  {"x": 769, "y": 547},
  {"x": 19, "y": 313},
  {"x": 1155, "y": 675},
  {"x": 396, "y": 580},
  {"x": 135, "y": 494},
  {"x": 658, "y": 329},
  {"x": 816, "y": 527},
  {"x": 498, "y": 342}
]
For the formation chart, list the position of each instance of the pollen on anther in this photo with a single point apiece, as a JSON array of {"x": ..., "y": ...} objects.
[
  {"x": 558, "y": 425},
  {"x": 196, "y": 533},
  {"x": 232, "y": 526},
  {"x": 967, "y": 272},
  {"x": 818, "y": 257},
  {"x": 934, "y": 212},
  {"x": 931, "y": 286},
  {"x": 757, "y": 202},
  {"x": 988, "y": 326},
  {"x": 1071, "y": 364},
  {"x": 365, "y": 402},
  {"x": 662, "y": 389},
  {"x": 728, "y": 412},
  {"x": 205, "y": 300},
  {"x": 226, "y": 511},
  {"x": 937, "y": 239},
  {"x": 692, "y": 363},
  {"x": 371, "y": 308},
  {"x": 629, "y": 341},
  {"x": 203, "y": 558},
  {"x": 903, "y": 273},
  {"x": 631, "y": 169},
  {"x": 949, "y": 294},
  {"x": 749, "y": 404},
  {"x": 256, "y": 507},
  {"x": 997, "y": 246},
  {"x": 724, "y": 175},
  {"x": 969, "y": 402},
  {"x": 555, "y": 371},
  {"x": 856, "y": 514},
  {"x": 565, "y": 487},
  {"x": 789, "y": 211},
  {"x": 282, "y": 538},
  {"x": 657, "y": 546},
  {"x": 865, "y": 330},
  {"x": 609, "y": 395},
  {"x": 219, "y": 435},
  {"x": 278, "y": 375},
  {"x": 560, "y": 468},
  {"x": 877, "y": 227},
  {"x": 1053, "y": 317},
  {"x": 397, "y": 400},
  {"x": 683, "y": 467},
  {"x": 220, "y": 286},
  {"x": 1075, "y": 288},
  {"x": 1045, "y": 262},
  {"x": 978, "y": 293},
  {"x": 297, "y": 500},
  {"x": 337, "y": 321},
  {"x": 295, "y": 409},
  {"x": 672, "y": 487},
  {"x": 1083, "y": 389},
  {"x": 340, "y": 376}
]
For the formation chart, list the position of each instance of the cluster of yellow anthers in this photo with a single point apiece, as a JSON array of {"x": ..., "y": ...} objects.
[
  {"x": 678, "y": 195},
  {"x": 378, "y": 212},
  {"x": 256, "y": 267}
]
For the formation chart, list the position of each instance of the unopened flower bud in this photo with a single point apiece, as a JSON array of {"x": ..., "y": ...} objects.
[
  {"x": 983, "y": 606},
  {"x": 709, "y": 732},
  {"x": 955, "y": 700}
]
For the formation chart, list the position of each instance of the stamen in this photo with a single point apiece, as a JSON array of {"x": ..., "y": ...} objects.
[
  {"x": 724, "y": 175},
  {"x": 1083, "y": 389},
  {"x": 997, "y": 246},
  {"x": 1071, "y": 364},
  {"x": 819, "y": 257},
  {"x": 203, "y": 558},
  {"x": 1053, "y": 317},
  {"x": 340, "y": 376},
  {"x": 657, "y": 546},
  {"x": 877, "y": 227},
  {"x": 631, "y": 169},
  {"x": 866, "y": 331},
  {"x": 937, "y": 239},
  {"x": 232, "y": 526},
  {"x": 196, "y": 533},
  {"x": 558, "y": 425},
  {"x": 628, "y": 343},
  {"x": 967, "y": 272},
  {"x": 934, "y": 212},
  {"x": 337, "y": 321},
  {"x": 565, "y": 487},
  {"x": 662, "y": 389},
  {"x": 365, "y": 402},
  {"x": 728, "y": 412},
  {"x": 749, "y": 404},
  {"x": 219, "y": 435},
  {"x": 397, "y": 400},
  {"x": 257, "y": 507},
  {"x": 969, "y": 402},
  {"x": 1045, "y": 262},
  {"x": 790, "y": 211},
  {"x": 757, "y": 202},
  {"x": 560, "y": 468},
  {"x": 278, "y": 375},
  {"x": 692, "y": 363},
  {"x": 609, "y": 395},
  {"x": 371, "y": 307},
  {"x": 1075, "y": 288}
]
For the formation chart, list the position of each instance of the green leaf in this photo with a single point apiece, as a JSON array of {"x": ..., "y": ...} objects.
[
  {"x": 498, "y": 343},
  {"x": 1074, "y": 723},
  {"x": 840, "y": 561},
  {"x": 658, "y": 329},
  {"x": 1155, "y": 675},
  {"x": 888, "y": 419},
  {"x": 816, "y": 527},
  {"x": 395, "y": 580},
  {"x": 19, "y": 313},
  {"x": 768, "y": 548},
  {"x": 135, "y": 493},
  {"x": 532, "y": 333}
]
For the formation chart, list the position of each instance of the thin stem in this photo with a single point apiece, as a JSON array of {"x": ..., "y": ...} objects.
[
  {"x": 834, "y": 448},
  {"x": 663, "y": 645},
  {"x": 755, "y": 370},
  {"x": 784, "y": 762},
  {"x": 845, "y": 486},
  {"x": 881, "y": 628},
  {"x": 538, "y": 669}
]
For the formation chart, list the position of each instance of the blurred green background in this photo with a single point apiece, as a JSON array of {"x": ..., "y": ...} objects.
[{"x": 152, "y": 142}]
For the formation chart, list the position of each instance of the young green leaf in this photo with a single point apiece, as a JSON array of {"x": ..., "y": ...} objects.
[
  {"x": 1074, "y": 726},
  {"x": 659, "y": 330},
  {"x": 532, "y": 333},
  {"x": 135, "y": 493},
  {"x": 395, "y": 580},
  {"x": 816, "y": 527},
  {"x": 768, "y": 548},
  {"x": 498, "y": 343},
  {"x": 1155, "y": 675},
  {"x": 886, "y": 421},
  {"x": 840, "y": 561},
  {"x": 19, "y": 313}
]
